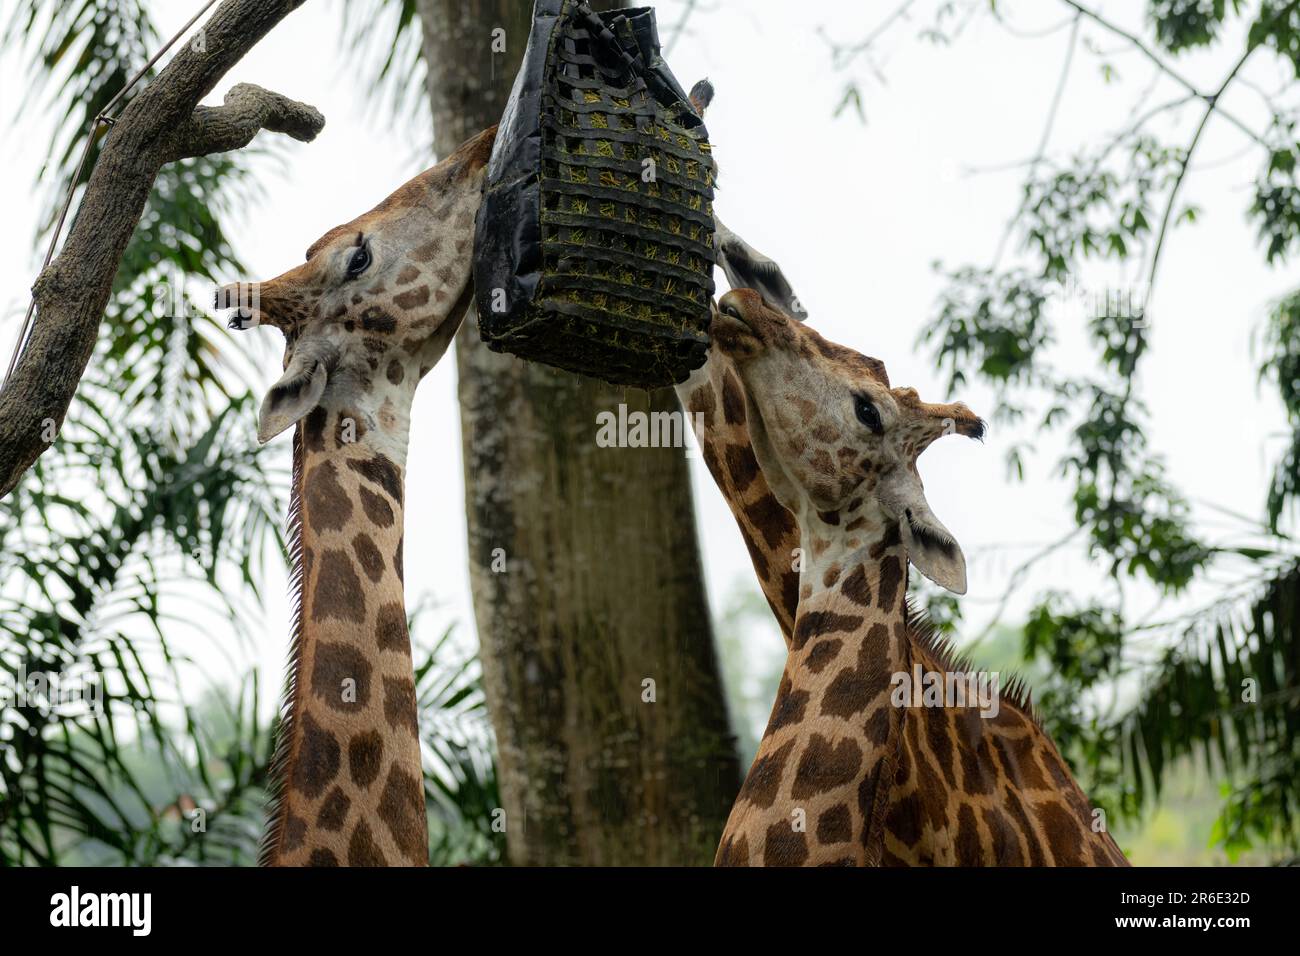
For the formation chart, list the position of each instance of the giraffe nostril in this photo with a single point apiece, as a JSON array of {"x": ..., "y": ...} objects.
[{"x": 242, "y": 320}]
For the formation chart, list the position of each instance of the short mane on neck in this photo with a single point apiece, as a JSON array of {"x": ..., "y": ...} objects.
[
  {"x": 868, "y": 760},
  {"x": 346, "y": 772}
]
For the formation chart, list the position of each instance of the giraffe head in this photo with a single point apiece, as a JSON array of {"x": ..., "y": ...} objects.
[
  {"x": 836, "y": 443},
  {"x": 376, "y": 303}
]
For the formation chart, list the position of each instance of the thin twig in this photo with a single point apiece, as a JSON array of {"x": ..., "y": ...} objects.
[
  {"x": 1245, "y": 519},
  {"x": 850, "y": 52},
  {"x": 1043, "y": 140},
  {"x": 679, "y": 27},
  {"x": 1136, "y": 42},
  {"x": 1013, "y": 582},
  {"x": 1031, "y": 34},
  {"x": 1210, "y": 107}
]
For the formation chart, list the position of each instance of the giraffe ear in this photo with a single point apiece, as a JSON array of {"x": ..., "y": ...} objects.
[
  {"x": 933, "y": 550},
  {"x": 289, "y": 399},
  {"x": 747, "y": 268},
  {"x": 930, "y": 546}
]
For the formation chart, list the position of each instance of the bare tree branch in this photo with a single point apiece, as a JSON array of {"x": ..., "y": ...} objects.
[
  {"x": 1212, "y": 102},
  {"x": 1211, "y": 99},
  {"x": 247, "y": 110},
  {"x": 844, "y": 54},
  {"x": 678, "y": 28},
  {"x": 162, "y": 123},
  {"x": 1041, "y": 153},
  {"x": 1182, "y": 174}
]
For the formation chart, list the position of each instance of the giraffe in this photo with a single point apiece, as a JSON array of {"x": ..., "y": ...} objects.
[
  {"x": 716, "y": 406},
  {"x": 771, "y": 532},
  {"x": 364, "y": 318},
  {"x": 851, "y": 770}
]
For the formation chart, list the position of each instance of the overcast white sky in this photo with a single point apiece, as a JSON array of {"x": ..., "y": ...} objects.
[{"x": 855, "y": 213}]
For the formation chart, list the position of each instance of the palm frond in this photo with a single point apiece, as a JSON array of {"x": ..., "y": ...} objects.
[
  {"x": 382, "y": 40},
  {"x": 81, "y": 54},
  {"x": 460, "y": 780},
  {"x": 1228, "y": 694}
]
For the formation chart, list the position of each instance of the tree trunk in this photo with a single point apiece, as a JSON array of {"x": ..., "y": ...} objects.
[{"x": 602, "y": 589}]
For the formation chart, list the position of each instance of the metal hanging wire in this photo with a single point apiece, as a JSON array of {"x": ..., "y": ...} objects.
[{"x": 105, "y": 117}]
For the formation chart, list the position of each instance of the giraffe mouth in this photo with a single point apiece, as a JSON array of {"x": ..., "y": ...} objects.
[{"x": 732, "y": 332}]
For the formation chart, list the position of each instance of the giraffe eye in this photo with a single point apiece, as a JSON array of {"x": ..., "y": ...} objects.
[
  {"x": 729, "y": 308},
  {"x": 867, "y": 413},
  {"x": 360, "y": 261}
]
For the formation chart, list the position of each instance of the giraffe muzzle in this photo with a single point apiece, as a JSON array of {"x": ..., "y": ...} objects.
[{"x": 245, "y": 299}]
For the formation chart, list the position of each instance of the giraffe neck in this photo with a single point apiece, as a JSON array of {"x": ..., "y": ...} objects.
[
  {"x": 716, "y": 401},
  {"x": 348, "y": 759},
  {"x": 851, "y": 772}
]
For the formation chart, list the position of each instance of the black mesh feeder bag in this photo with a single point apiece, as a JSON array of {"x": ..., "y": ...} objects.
[{"x": 594, "y": 244}]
